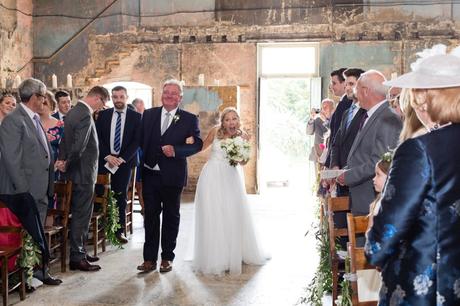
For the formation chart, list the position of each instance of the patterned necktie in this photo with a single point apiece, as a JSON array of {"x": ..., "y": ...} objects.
[
  {"x": 117, "y": 138},
  {"x": 362, "y": 121},
  {"x": 165, "y": 125},
  {"x": 350, "y": 114},
  {"x": 41, "y": 134}
]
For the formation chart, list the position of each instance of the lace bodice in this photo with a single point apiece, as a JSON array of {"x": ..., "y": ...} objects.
[{"x": 217, "y": 153}]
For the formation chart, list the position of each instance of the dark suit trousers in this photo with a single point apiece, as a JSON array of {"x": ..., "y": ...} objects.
[
  {"x": 165, "y": 201},
  {"x": 81, "y": 209},
  {"x": 119, "y": 184}
]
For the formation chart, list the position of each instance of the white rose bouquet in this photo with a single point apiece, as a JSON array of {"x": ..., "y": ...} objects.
[{"x": 237, "y": 150}]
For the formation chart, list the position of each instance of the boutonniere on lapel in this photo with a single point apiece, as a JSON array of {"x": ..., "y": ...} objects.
[{"x": 175, "y": 118}]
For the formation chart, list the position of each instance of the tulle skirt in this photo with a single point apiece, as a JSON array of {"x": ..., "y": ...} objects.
[{"x": 224, "y": 232}]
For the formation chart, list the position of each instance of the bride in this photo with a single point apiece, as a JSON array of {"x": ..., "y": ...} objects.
[{"x": 224, "y": 232}]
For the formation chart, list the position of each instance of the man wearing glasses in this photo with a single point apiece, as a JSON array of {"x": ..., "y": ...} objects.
[
  {"x": 393, "y": 98},
  {"x": 78, "y": 157},
  {"x": 27, "y": 162}
]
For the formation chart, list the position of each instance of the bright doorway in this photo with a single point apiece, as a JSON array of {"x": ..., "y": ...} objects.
[{"x": 289, "y": 87}]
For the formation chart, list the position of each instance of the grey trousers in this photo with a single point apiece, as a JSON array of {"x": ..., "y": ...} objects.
[{"x": 81, "y": 209}]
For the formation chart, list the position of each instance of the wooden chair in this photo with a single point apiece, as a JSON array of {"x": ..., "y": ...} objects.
[
  {"x": 130, "y": 203},
  {"x": 57, "y": 233},
  {"x": 357, "y": 225},
  {"x": 7, "y": 252},
  {"x": 99, "y": 213},
  {"x": 335, "y": 205}
]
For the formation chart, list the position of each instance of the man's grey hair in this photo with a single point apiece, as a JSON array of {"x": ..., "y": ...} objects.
[
  {"x": 177, "y": 83},
  {"x": 29, "y": 87},
  {"x": 327, "y": 100},
  {"x": 137, "y": 101},
  {"x": 373, "y": 84}
]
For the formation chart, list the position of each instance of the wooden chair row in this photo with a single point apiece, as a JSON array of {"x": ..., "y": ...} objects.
[{"x": 355, "y": 226}]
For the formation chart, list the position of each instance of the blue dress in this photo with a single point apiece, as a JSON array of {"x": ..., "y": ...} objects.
[{"x": 415, "y": 238}]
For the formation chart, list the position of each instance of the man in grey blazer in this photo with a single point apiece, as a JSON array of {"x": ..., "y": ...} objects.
[
  {"x": 379, "y": 131},
  {"x": 26, "y": 165},
  {"x": 78, "y": 157}
]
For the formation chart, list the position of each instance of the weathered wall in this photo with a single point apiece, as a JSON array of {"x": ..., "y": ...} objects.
[
  {"x": 15, "y": 38},
  {"x": 150, "y": 41}
]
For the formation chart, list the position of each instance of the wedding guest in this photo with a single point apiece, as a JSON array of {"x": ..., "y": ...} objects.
[
  {"x": 412, "y": 126},
  {"x": 26, "y": 165},
  {"x": 139, "y": 105},
  {"x": 318, "y": 125},
  {"x": 53, "y": 127},
  {"x": 337, "y": 86},
  {"x": 381, "y": 173},
  {"x": 7, "y": 105},
  {"x": 378, "y": 132},
  {"x": 224, "y": 230},
  {"x": 63, "y": 103},
  {"x": 78, "y": 157},
  {"x": 118, "y": 131},
  {"x": 164, "y": 174},
  {"x": 394, "y": 98},
  {"x": 414, "y": 236}
]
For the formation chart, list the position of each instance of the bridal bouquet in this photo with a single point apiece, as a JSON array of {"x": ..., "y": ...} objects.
[{"x": 236, "y": 150}]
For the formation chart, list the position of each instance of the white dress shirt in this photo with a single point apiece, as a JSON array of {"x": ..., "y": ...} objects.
[
  {"x": 372, "y": 110},
  {"x": 171, "y": 118}
]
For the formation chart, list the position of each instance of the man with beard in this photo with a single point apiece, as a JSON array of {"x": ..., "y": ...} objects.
[{"x": 118, "y": 133}]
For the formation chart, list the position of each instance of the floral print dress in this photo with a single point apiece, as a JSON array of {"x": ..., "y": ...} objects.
[
  {"x": 54, "y": 135},
  {"x": 415, "y": 238}
]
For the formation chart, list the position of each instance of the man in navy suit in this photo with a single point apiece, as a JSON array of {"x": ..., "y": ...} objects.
[
  {"x": 118, "y": 134},
  {"x": 63, "y": 102},
  {"x": 164, "y": 135}
]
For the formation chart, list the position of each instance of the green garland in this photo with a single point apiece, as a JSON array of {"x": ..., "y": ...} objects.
[
  {"x": 112, "y": 222},
  {"x": 345, "y": 298},
  {"x": 322, "y": 280},
  {"x": 30, "y": 255}
]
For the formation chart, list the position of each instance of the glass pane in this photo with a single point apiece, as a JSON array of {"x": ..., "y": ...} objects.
[{"x": 288, "y": 60}]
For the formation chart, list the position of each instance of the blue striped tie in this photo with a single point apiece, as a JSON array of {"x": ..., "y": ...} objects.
[
  {"x": 117, "y": 139},
  {"x": 350, "y": 114}
]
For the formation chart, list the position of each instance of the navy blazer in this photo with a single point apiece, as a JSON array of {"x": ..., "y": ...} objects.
[
  {"x": 334, "y": 125},
  {"x": 56, "y": 115},
  {"x": 131, "y": 136},
  {"x": 173, "y": 170},
  {"x": 415, "y": 237}
]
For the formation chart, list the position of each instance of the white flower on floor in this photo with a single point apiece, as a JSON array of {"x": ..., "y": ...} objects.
[
  {"x": 421, "y": 284},
  {"x": 439, "y": 299},
  {"x": 457, "y": 288}
]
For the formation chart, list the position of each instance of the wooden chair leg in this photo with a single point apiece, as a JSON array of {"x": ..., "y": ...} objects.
[
  {"x": 103, "y": 239},
  {"x": 95, "y": 236},
  {"x": 22, "y": 286},
  {"x": 63, "y": 250},
  {"x": 5, "y": 280},
  {"x": 335, "y": 280}
]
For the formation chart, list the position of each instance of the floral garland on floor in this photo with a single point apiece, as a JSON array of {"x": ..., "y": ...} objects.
[
  {"x": 30, "y": 256},
  {"x": 344, "y": 299},
  {"x": 112, "y": 221}
]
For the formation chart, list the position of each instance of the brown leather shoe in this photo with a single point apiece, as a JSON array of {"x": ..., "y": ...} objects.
[
  {"x": 166, "y": 266},
  {"x": 147, "y": 266},
  {"x": 83, "y": 265},
  {"x": 90, "y": 258},
  {"x": 122, "y": 238}
]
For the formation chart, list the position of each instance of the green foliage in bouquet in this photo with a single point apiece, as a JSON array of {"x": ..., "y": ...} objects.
[
  {"x": 30, "y": 255},
  {"x": 112, "y": 222}
]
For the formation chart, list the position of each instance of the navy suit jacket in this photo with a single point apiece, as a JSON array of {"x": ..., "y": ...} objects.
[
  {"x": 173, "y": 170},
  {"x": 130, "y": 141},
  {"x": 415, "y": 237},
  {"x": 56, "y": 115},
  {"x": 334, "y": 125}
]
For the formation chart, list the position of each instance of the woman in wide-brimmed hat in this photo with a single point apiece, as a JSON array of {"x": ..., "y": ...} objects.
[{"x": 415, "y": 237}]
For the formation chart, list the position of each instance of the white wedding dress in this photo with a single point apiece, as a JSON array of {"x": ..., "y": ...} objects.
[{"x": 224, "y": 233}]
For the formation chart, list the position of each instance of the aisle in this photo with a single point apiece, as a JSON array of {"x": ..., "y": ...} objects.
[{"x": 282, "y": 217}]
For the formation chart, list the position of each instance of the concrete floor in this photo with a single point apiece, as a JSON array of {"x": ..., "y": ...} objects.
[{"x": 282, "y": 217}]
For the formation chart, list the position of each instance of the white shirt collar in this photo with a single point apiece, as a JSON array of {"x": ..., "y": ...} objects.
[
  {"x": 61, "y": 115},
  {"x": 29, "y": 112},
  {"x": 372, "y": 110},
  {"x": 164, "y": 111},
  {"x": 89, "y": 107}
]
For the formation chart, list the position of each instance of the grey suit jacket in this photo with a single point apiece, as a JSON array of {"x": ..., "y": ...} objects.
[
  {"x": 24, "y": 163},
  {"x": 318, "y": 128},
  {"x": 79, "y": 145},
  {"x": 379, "y": 134}
]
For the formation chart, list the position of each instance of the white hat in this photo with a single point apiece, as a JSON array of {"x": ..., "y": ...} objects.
[{"x": 434, "y": 69}]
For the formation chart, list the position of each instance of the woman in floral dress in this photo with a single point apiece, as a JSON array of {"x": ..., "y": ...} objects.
[{"x": 415, "y": 237}]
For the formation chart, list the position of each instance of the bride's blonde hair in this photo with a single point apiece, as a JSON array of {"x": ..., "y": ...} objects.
[{"x": 221, "y": 130}]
